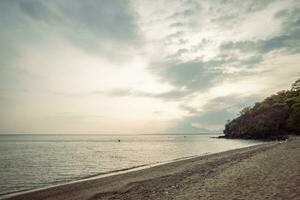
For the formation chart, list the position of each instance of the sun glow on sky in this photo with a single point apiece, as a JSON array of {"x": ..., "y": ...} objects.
[{"x": 141, "y": 66}]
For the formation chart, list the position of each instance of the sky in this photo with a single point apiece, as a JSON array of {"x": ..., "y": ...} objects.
[{"x": 139, "y": 66}]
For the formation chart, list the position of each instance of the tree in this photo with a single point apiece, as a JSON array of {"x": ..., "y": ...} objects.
[
  {"x": 296, "y": 86},
  {"x": 275, "y": 117},
  {"x": 245, "y": 110}
]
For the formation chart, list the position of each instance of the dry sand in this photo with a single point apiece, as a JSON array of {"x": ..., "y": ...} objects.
[{"x": 267, "y": 171}]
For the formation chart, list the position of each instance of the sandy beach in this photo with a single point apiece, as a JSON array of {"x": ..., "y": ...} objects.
[{"x": 266, "y": 171}]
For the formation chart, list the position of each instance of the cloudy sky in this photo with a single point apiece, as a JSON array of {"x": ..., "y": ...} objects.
[{"x": 117, "y": 66}]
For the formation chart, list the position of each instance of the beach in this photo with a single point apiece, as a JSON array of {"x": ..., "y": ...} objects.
[{"x": 266, "y": 171}]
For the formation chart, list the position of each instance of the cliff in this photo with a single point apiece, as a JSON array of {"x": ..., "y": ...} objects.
[{"x": 273, "y": 118}]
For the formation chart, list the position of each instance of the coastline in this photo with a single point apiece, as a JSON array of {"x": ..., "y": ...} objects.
[
  {"x": 190, "y": 178},
  {"x": 96, "y": 176}
]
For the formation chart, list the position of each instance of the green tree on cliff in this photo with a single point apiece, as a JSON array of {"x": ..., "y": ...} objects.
[{"x": 274, "y": 117}]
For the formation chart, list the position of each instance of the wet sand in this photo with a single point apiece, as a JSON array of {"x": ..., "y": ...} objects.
[{"x": 266, "y": 171}]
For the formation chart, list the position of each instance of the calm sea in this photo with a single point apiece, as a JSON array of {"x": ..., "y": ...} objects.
[{"x": 35, "y": 161}]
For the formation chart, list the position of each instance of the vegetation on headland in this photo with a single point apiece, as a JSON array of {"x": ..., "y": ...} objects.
[{"x": 274, "y": 118}]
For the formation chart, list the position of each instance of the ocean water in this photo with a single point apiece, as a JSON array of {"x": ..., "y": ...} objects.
[{"x": 35, "y": 161}]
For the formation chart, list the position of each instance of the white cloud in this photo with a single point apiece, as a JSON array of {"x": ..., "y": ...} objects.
[{"x": 143, "y": 66}]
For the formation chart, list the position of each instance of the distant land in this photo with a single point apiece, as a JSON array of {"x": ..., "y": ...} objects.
[{"x": 276, "y": 117}]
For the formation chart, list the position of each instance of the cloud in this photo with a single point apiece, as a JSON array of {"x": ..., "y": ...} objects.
[
  {"x": 290, "y": 18},
  {"x": 215, "y": 114},
  {"x": 185, "y": 127},
  {"x": 175, "y": 35},
  {"x": 118, "y": 92},
  {"x": 184, "y": 13},
  {"x": 192, "y": 75},
  {"x": 188, "y": 65},
  {"x": 223, "y": 49},
  {"x": 177, "y": 24},
  {"x": 101, "y": 19},
  {"x": 171, "y": 95},
  {"x": 37, "y": 10},
  {"x": 283, "y": 41},
  {"x": 257, "y": 50},
  {"x": 287, "y": 39},
  {"x": 206, "y": 121},
  {"x": 95, "y": 26}
]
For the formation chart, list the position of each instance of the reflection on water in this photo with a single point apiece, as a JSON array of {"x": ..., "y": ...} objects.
[{"x": 34, "y": 161}]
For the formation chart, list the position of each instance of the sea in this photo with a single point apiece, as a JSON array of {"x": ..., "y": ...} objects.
[{"x": 29, "y": 162}]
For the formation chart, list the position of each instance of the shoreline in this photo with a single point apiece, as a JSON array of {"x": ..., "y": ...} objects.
[
  {"x": 181, "y": 179},
  {"x": 116, "y": 172},
  {"x": 98, "y": 176}
]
